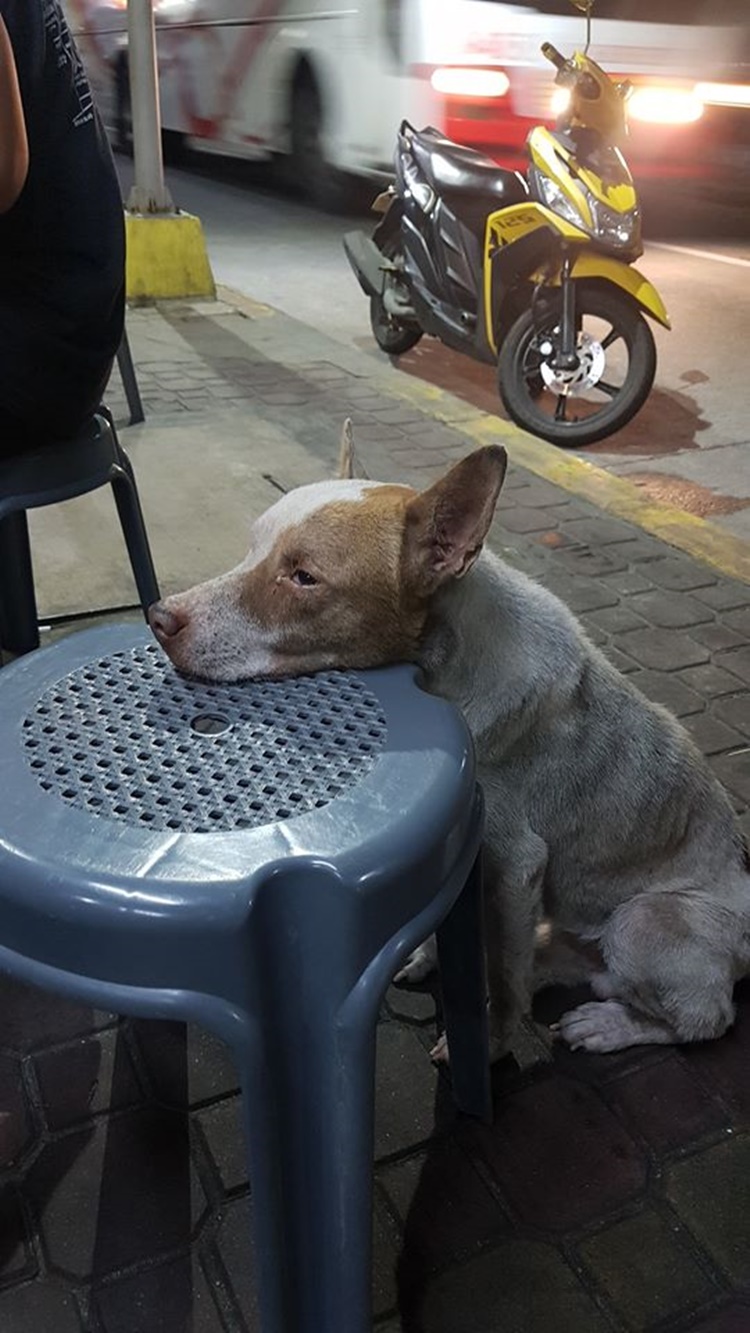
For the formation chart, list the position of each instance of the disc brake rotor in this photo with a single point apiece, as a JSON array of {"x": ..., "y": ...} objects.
[{"x": 591, "y": 362}]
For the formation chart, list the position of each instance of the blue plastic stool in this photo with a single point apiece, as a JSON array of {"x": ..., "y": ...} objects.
[
  {"x": 46, "y": 476},
  {"x": 257, "y": 858}
]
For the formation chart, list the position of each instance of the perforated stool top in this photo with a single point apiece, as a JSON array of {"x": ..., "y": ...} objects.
[{"x": 133, "y": 796}]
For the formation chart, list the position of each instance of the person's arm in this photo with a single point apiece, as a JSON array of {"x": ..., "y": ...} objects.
[{"x": 14, "y": 144}]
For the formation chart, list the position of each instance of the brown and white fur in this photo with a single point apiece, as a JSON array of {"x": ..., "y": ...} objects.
[{"x": 602, "y": 817}]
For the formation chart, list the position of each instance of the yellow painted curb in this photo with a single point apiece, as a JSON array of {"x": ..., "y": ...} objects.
[
  {"x": 166, "y": 257},
  {"x": 696, "y": 536}
]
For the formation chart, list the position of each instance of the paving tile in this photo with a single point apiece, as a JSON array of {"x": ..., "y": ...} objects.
[
  {"x": 33, "y": 1019},
  {"x": 711, "y": 1194},
  {"x": 235, "y": 1246},
  {"x": 411, "y": 1004},
  {"x": 580, "y": 594},
  {"x": 625, "y": 665},
  {"x": 662, "y": 649},
  {"x": 682, "y": 574},
  {"x": 736, "y": 660},
  {"x": 739, "y": 621},
  {"x": 669, "y": 691},
  {"x": 717, "y": 635},
  {"x": 734, "y": 709},
  {"x": 16, "y": 1131},
  {"x": 223, "y": 1127},
  {"x": 446, "y": 1209},
  {"x": 629, "y": 582},
  {"x": 710, "y": 735},
  {"x": 85, "y": 1078},
  {"x": 173, "y": 1297},
  {"x": 667, "y": 1105},
  {"x": 711, "y": 679},
  {"x": 670, "y": 610},
  {"x": 647, "y": 1271},
  {"x": 407, "y": 1084},
  {"x": 41, "y": 1306},
  {"x": 601, "y": 531},
  {"x": 724, "y": 595},
  {"x": 582, "y": 560},
  {"x": 616, "y": 619},
  {"x": 732, "y": 1319},
  {"x": 186, "y": 1064},
  {"x": 733, "y": 769},
  {"x": 560, "y": 1156},
  {"x": 118, "y": 1193},
  {"x": 523, "y": 1286},
  {"x": 16, "y": 1255},
  {"x": 724, "y": 1065}
]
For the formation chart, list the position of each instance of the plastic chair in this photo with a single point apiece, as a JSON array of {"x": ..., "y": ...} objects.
[
  {"x": 257, "y": 858},
  {"x": 45, "y": 476}
]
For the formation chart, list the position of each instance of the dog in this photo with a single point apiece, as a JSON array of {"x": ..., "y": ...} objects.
[{"x": 603, "y": 819}]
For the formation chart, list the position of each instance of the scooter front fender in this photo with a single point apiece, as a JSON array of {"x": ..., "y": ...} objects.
[{"x": 588, "y": 264}]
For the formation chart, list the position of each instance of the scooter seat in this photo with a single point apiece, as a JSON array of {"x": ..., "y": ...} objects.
[{"x": 453, "y": 168}]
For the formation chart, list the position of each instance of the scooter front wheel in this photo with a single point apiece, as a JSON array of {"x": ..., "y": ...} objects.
[
  {"x": 615, "y": 372},
  {"x": 393, "y": 335}
]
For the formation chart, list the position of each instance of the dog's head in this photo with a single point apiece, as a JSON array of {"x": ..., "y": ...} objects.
[{"x": 339, "y": 574}]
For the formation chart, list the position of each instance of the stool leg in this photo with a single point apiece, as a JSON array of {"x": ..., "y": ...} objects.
[
  {"x": 134, "y": 531},
  {"x": 19, "y": 628},
  {"x": 310, "y": 1148},
  {"x": 307, "y": 1072},
  {"x": 463, "y": 981}
]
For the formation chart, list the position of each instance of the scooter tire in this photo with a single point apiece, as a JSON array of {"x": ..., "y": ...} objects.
[
  {"x": 521, "y": 392},
  {"x": 393, "y": 336}
]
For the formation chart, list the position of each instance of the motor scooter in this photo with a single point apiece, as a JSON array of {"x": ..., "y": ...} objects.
[{"x": 533, "y": 274}]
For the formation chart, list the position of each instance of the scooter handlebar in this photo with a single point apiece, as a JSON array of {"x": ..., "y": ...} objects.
[{"x": 552, "y": 54}]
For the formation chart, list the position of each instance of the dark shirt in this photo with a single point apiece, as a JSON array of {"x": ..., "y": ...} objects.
[{"x": 62, "y": 249}]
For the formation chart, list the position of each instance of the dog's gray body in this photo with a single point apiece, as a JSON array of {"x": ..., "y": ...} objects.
[{"x": 602, "y": 817}]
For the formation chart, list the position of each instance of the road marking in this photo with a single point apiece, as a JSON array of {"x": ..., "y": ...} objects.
[{"x": 698, "y": 254}]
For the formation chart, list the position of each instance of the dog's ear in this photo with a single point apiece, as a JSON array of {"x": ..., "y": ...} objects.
[
  {"x": 349, "y": 463},
  {"x": 447, "y": 524}
]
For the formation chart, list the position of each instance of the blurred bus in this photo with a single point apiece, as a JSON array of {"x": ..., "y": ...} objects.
[{"x": 324, "y": 86}]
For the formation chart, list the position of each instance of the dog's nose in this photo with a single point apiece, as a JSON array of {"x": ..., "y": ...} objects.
[{"x": 166, "y": 622}]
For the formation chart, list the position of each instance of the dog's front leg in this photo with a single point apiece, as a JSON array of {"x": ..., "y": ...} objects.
[{"x": 514, "y": 878}]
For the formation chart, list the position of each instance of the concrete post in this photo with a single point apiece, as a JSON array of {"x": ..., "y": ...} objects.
[{"x": 149, "y": 193}]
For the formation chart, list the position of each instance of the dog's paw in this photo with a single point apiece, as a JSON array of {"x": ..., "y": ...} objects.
[
  {"x": 419, "y": 964},
  {"x": 440, "y": 1053},
  {"x": 605, "y": 1026}
]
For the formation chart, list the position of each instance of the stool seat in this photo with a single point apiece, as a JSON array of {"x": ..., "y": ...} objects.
[{"x": 257, "y": 858}]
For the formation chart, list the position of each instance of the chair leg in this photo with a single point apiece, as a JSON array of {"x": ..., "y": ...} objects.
[
  {"x": 129, "y": 381},
  {"x": 133, "y": 527},
  {"x": 19, "y": 627},
  {"x": 460, "y": 940}
]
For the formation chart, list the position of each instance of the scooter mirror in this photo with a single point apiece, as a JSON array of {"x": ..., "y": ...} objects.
[{"x": 585, "y": 7}]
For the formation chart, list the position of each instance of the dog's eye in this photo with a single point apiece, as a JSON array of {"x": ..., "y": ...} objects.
[{"x": 303, "y": 579}]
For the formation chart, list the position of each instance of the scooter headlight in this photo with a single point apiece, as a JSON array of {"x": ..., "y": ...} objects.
[
  {"x": 415, "y": 185},
  {"x": 556, "y": 199},
  {"x": 622, "y": 231}
]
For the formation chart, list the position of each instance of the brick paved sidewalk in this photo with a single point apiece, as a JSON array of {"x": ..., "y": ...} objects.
[{"x": 610, "y": 1192}]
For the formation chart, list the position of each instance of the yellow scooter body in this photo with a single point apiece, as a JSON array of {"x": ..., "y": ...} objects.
[{"x": 508, "y": 225}]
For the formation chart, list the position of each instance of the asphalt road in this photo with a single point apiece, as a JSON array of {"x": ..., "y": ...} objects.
[{"x": 690, "y": 444}]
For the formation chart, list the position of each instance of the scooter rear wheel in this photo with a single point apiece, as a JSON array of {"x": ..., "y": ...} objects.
[
  {"x": 617, "y": 358},
  {"x": 393, "y": 335}
]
